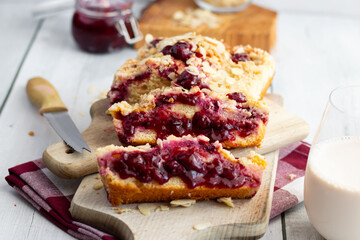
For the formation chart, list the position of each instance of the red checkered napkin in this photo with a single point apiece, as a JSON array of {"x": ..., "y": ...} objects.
[{"x": 51, "y": 196}]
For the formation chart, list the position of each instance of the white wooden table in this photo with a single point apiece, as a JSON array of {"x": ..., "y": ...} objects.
[{"x": 317, "y": 50}]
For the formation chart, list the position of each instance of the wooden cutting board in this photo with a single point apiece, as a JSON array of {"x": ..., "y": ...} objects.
[
  {"x": 255, "y": 25},
  {"x": 247, "y": 220},
  {"x": 283, "y": 129}
]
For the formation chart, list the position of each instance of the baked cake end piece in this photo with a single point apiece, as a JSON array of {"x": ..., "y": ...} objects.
[
  {"x": 193, "y": 60},
  {"x": 177, "y": 168}
]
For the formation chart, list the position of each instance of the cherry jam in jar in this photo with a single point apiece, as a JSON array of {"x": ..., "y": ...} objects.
[{"x": 101, "y": 26}]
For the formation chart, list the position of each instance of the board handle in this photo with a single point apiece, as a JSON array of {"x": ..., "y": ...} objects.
[
  {"x": 44, "y": 95},
  {"x": 66, "y": 163}
]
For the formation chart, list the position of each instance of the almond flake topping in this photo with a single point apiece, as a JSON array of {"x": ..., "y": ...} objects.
[
  {"x": 183, "y": 202},
  {"x": 195, "y": 17},
  {"x": 227, "y": 200},
  {"x": 146, "y": 208},
  {"x": 202, "y": 226},
  {"x": 98, "y": 185}
]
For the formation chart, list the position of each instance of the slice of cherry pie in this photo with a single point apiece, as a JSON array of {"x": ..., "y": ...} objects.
[
  {"x": 233, "y": 120},
  {"x": 177, "y": 168}
]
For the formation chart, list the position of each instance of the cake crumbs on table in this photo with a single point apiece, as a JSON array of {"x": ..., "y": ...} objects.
[{"x": 31, "y": 133}]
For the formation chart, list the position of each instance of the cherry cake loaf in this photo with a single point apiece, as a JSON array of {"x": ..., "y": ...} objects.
[
  {"x": 193, "y": 60},
  {"x": 233, "y": 120},
  {"x": 177, "y": 168}
]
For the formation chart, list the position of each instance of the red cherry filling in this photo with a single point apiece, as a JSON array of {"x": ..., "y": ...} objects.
[
  {"x": 240, "y": 57},
  {"x": 184, "y": 159},
  {"x": 209, "y": 120},
  {"x": 120, "y": 92},
  {"x": 237, "y": 96},
  {"x": 180, "y": 50},
  {"x": 166, "y": 71},
  {"x": 188, "y": 80},
  {"x": 155, "y": 42}
]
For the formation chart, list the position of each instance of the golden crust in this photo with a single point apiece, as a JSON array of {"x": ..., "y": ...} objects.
[
  {"x": 133, "y": 191},
  {"x": 252, "y": 140}
]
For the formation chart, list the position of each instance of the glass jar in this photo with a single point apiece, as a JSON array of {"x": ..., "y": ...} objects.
[{"x": 100, "y": 26}]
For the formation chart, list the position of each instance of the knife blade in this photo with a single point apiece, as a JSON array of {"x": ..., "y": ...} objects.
[{"x": 42, "y": 94}]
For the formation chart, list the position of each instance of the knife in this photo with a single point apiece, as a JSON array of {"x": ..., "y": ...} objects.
[{"x": 42, "y": 94}]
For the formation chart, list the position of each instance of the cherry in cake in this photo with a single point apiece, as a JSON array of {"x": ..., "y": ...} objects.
[
  {"x": 233, "y": 121},
  {"x": 177, "y": 168}
]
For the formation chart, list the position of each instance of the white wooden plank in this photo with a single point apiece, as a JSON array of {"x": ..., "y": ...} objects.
[
  {"x": 298, "y": 226},
  {"x": 55, "y": 57},
  {"x": 314, "y": 54},
  {"x": 16, "y": 30},
  {"x": 274, "y": 230},
  {"x": 38, "y": 231}
]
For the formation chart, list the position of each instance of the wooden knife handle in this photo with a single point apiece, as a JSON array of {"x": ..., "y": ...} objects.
[{"x": 44, "y": 95}]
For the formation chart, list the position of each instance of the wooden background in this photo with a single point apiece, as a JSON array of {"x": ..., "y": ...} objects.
[{"x": 317, "y": 50}]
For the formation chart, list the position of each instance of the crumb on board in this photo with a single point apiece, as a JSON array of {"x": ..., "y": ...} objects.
[
  {"x": 98, "y": 185},
  {"x": 201, "y": 226},
  {"x": 182, "y": 202},
  {"x": 31, "y": 133},
  {"x": 292, "y": 176},
  {"x": 82, "y": 114},
  {"x": 120, "y": 210},
  {"x": 227, "y": 200},
  {"x": 84, "y": 186},
  {"x": 97, "y": 177}
]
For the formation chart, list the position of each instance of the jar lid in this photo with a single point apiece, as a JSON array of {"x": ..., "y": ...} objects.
[{"x": 103, "y": 8}]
